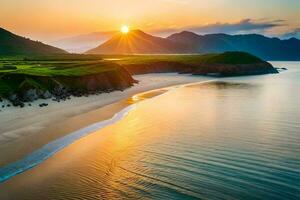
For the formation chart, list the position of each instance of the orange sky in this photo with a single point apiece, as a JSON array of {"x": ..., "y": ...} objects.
[{"x": 53, "y": 19}]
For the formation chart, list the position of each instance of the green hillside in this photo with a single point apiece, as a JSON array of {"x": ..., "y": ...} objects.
[
  {"x": 11, "y": 44},
  {"x": 74, "y": 74}
]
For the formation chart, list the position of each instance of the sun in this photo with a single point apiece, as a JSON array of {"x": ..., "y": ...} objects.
[{"x": 125, "y": 29}]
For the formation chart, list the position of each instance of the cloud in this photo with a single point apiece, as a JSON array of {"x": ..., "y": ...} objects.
[
  {"x": 294, "y": 33},
  {"x": 243, "y": 26}
]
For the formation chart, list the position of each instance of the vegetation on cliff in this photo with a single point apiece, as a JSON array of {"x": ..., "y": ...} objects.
[
  {"x": 25, "y": 79},
  {"x": 225, "y": 64}
]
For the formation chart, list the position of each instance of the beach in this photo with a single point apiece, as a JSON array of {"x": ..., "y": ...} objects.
[
  {"x": 23, "y": 130},
  {"x": 199, "y": 135}
]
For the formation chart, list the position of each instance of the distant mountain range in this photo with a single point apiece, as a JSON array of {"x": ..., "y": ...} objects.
[
  {"x": 82, "y": 43},
  {"x": 258, "y": 45},
  {"x": 138, "y": 42},
  {"x": 11, "y": 44}
]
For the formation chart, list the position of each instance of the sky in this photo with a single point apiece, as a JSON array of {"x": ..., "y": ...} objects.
[{"x": 48, "y": 20}]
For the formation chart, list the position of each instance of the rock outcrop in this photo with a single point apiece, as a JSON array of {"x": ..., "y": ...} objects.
[{"x": 29, "y": 88}]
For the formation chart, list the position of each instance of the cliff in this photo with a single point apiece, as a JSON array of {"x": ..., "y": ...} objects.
[
  {"x": 59, "y": 77},
  {"x": 19, "y": 88},
  {"x": 225, "y": 64}
]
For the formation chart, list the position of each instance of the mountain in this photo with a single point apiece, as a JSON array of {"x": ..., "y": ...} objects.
[
  {"x": 138, "y": 42},
  {"x": 258, "y": 45},
  {"x": 11, "y": 44},
  {"x": 82, "y": 43}
]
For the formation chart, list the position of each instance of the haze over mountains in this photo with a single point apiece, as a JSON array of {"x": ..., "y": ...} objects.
[
  {"x": 82, "y": 43},
  {"x": 11, "y": 44},
  {"x": 138, "y": 42}
]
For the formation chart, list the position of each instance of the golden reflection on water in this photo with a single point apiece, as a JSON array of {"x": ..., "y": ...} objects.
[
  {"x": 211, "y": 136},
  {"x": 117, "y": 159},
  {"x": 146, "y": 95}
]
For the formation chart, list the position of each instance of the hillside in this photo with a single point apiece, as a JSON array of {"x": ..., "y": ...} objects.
[
  {"x": 225, "y": 64},
  {"x": 258, "y": 45},
  {"x": 11, "y": 44},
  {"x": 138, "y": 42}
]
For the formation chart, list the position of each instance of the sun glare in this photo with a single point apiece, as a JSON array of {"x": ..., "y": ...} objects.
[{"x": 124, "y": 29}]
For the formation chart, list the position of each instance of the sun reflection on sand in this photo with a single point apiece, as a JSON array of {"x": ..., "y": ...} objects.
[{"x": 146, "y": 95}]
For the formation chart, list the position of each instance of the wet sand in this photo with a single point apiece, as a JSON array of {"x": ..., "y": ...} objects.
[
  {"x": 43, "y": 175},
  {"x": 25, "y": 130},
  {"x": 41, "y": 180}
]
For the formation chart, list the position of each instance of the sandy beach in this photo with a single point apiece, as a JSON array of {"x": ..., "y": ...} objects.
[
  {"x": 157, "y": 150},
  {"x": 23, "y": 130}
]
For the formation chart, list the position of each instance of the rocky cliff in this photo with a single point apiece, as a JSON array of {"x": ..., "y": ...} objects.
[{"x": 20, "y": 88}]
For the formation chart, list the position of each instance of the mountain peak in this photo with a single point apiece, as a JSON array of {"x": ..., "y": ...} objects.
[
  {"x": 184, "y": 34},
  {"x": 133, "y": 33},
  {"x": 136, "y": 42},
  {"x": 137, "y": 31},
  {"x": 293, "y": 39},
  {"x": 188, "y": 33}
]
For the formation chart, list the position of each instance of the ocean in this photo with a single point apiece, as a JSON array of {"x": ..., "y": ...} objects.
[{"x": 230, "y": 138}]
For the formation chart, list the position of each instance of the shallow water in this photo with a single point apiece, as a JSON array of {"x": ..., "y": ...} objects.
[{"x": 235, "y": 138}]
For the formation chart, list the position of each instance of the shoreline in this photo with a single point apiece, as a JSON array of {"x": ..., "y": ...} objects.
[
  {"x": 50, "y": 149},
  {"x": 69, "y": 162},
  {"x": 56, "y": 123}
]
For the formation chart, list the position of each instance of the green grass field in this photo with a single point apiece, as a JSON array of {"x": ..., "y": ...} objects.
[
  {"x": 20, "y": 71},
  {"x": 55, "y": 67},
  {"x": 17, "y": 71},
  {"x": 77, "y": 65}
]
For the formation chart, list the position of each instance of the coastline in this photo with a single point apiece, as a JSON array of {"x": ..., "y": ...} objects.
[
  {"x": 79, "y": 159},
  {"x": 25, "y": 130}
]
